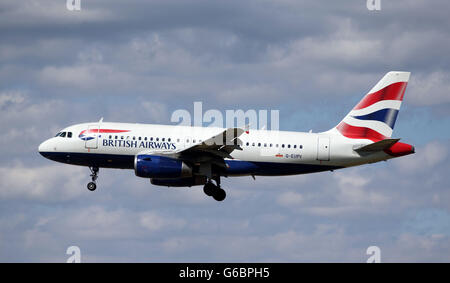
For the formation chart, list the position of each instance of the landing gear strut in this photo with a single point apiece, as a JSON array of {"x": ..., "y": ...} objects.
[
  {"x": 94, "y": 175},
  {"x": 214, "y": 190}
]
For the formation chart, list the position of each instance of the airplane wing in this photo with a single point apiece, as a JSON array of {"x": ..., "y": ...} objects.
[
  {"x": 220, "y": 145},
  {"x": 210, "y": 151}
]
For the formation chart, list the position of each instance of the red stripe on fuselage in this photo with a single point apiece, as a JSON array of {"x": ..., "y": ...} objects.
[
  {"x": 394, "y": 91},
  {"x": 109, "y": 131},
  {"x": 105, "y": 131},
  {"x": 354, "y": 132}
]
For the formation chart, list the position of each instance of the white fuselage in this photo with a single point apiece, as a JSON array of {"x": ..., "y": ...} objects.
[{"x": 116, "y": 145}]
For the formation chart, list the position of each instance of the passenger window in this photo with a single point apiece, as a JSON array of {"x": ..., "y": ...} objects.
[
  {"x": 253, "y": 144},
  {"x": 270, "y": 145},
  {"x": 259, "y": 144},
  {"x": 248, "y": 143},
  {"x": 151, "y": 139},
  {"x": 178, "y": 140},
  {"x": 116, "y": 137},
  {"x": 295, "y": 146},
  {"x": 157, "y": 139},
  {"x": 289, "y": 146},
  {"x": 265, "y": 145},
  {"x": 282, "y": 145},
  {"x": 163, "y": 139},
  {"x": 69, "y": 134},
  {"x": 300, "y": 146},
  {"x": 168, "y": 139}
]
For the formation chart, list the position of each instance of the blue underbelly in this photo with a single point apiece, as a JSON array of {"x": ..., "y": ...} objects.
[
  {"x": 235, "y": 167},
  {"x": 240, "y": 167}
]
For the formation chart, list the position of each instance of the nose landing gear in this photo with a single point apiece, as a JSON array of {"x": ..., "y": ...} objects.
[
  {"x": 94, "y": 175},
  {"x": 214, "y": 191}
]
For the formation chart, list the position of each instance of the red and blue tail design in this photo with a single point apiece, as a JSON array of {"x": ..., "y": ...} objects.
[{"x": 374, "y": 116}]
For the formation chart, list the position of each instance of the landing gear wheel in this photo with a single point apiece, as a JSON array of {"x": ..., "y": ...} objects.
[
  {"x": 219, "y": 194},
  {"x": 213, "y": 190},
  {"x": 92, "y": 186},
  {"x": 209, "y": 188},
  {"x": 94, "y": 175}
]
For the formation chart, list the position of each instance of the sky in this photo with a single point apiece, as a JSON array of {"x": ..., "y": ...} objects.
[{"x": 138, "y": 61}]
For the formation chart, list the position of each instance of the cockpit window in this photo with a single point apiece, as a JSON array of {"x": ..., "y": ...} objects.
[{"x": 63, "y": 134}]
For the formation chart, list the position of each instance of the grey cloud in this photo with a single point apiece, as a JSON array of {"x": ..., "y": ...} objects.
[
  {"x": 430, "y": 89},
  {"x": 136, "y": 62},
  {"x": 40, "y": 183}
]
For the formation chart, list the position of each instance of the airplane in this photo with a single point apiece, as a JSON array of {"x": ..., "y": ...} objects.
[{"x": 185, "y": 156}]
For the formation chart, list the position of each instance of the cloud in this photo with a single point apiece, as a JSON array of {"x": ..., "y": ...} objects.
[
  {"x": 85, "y": 76},
  {"x": 155, "y": 111},
  {"x": 429, "y": 89},
  {"x": 46, "y": 12},
  {"x": 426, "y": 248},
  {"x": 135, "y": 61},
  {"x": 290, "y": 199},
  {"x": 27, "y": 121},
  {"x": 155, "y": 222},
  {"x": 11, "y": 97},
  {"x": 248, "y": 94},
  {"x": 428, "y": 156},
  {"x": 51, "y": 183}
]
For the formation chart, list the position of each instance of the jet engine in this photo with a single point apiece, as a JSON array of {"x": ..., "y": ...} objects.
[{"x": 153, "y": 166}]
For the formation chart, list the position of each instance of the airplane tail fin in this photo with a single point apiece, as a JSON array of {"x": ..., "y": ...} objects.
[{"x": 374, "y": 116}]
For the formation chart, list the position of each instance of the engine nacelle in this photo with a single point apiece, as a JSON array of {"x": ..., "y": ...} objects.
[
  {"x": 153, "y": 166},
  {"x": 180, "y": 182}
]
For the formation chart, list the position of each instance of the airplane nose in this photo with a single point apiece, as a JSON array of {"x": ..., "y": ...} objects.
[{"x": 44, "y": 148}]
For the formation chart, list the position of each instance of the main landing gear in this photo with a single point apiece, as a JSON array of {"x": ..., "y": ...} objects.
[
  {"x": 214, "y": 191},
  {"x": 94, "y": 175}
]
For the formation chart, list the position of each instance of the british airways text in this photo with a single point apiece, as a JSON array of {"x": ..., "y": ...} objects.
[{"x": 139, "y": 144}]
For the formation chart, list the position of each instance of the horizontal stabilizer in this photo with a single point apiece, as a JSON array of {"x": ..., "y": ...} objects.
[{"x": 377, "y": 146}]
